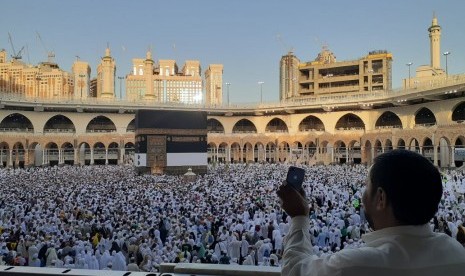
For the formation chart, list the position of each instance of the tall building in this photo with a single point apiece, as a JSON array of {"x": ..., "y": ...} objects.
[
  {"x": 326, "y": 76},
  {"x": 289, "y": 77},
  {"x": 93, "y": 88},
  {"x": 164, "y": 82},
  {"x": 214, "y": 84},
  {"x": 45, "y": 80},
  {"x": 81, "y": 74},
  {"x": 106, "y": 72}
]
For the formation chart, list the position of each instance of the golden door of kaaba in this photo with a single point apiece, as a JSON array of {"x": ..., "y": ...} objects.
[{"x": 156, "y": 153}]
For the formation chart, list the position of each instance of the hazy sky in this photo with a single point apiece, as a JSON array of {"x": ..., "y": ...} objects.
[{"x": 247, "y": 36}]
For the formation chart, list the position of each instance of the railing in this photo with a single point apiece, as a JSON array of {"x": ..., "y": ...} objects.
[
  {"x": 8, "y": 129},
  {"x": 59, "y": 130}
]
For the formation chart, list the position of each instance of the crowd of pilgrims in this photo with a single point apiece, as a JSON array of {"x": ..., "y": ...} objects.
[{"x": 109, "y": 217}]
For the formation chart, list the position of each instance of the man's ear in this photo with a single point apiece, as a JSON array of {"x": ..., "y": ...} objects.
[{"x": 381, "y": 199}]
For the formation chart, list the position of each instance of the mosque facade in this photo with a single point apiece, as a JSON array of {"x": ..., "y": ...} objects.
[{"x": 331, "y": 126}]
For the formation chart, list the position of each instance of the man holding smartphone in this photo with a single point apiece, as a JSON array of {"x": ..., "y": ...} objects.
[{"x": 403, "y": 191}]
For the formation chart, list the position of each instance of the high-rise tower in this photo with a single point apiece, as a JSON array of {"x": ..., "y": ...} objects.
[
  {"x": 106, "y": 72},
  {"x": 81, "y": 74},
  {"x": 214, "y": 84},
  {"x": 288, "y": 76},
  {"x": 435, "y": 43}
]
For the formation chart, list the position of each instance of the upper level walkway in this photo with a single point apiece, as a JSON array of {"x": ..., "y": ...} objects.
[{"x": 434, "y": 90}]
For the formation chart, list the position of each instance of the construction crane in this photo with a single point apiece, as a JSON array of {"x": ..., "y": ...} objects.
[
  {"x": 279, "y": 38},
  {"x": 50, "y": 54},
  {"x": 15, "y": 55}
]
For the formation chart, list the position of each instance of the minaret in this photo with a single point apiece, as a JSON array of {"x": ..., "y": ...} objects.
[
  {"x": 106, "y": 72},
  {"x": 435, "y": 43},
  {"x": 148, "y": 73}
]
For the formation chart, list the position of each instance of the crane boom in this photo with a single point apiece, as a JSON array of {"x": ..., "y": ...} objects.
[
  {"x": 50, "y": 54},
  {"x": 14, "y": 55}
]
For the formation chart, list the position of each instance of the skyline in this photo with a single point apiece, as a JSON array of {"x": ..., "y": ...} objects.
[{"x": 248, "y": 43}]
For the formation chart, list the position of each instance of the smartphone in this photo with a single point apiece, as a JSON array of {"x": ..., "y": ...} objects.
[{"x": 295, "y": 177}]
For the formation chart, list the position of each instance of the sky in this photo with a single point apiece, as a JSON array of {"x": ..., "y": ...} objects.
[{"x": 247, "y": 36}]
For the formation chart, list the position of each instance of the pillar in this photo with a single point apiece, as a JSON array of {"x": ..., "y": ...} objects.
[
  {"x": 347, "y": 155},
  {"x": 332, "y": 154},
  {"x": 91, "y": 156},
  {"x": 75, "y": 156},
  {"x": 372, "y": 154},
  {"x": 60, "y": 156},
  {"x": 10, "y": 159},
  {"x": 452, "y": 161},
  {"x": 435, "y": 155},
  {"x": 121, "y": 156},
  {"x": 106, "y": 156}
]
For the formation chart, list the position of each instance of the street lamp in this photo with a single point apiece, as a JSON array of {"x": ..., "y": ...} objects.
[
  {"x": 446, "y": 54},
  {"x": 227, "y": 89},
  {"x": 81, "y": 82},
  {"x": 120, "y": 93},
  {"x": 261, "y": 90},
  {"x": 409, "y": 64}
]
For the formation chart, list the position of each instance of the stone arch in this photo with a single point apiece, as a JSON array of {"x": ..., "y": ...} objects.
[
  {"x": 378, "y": 148},
  {"x": 59, "y": 124},
  {"x": 414, "y": 145},
  {"x": 355, "y": 152},
  {"x": 223, "y": 153},
  {"x": 297, "y": 152},
  {"x": 100, "y": 124},
  {"x": 270, "y": 152},
  {"x": 129, "y": 151},
  {"x": 388, "y": 120},
  {"x": 247, "y": 153},
  {"x": 4, "y": 154},
  {"x": 244, "y": 126},
  {"x": 340, "y": 152},
  {"x": 113, "y": 154},
  {"x": 18, "y": 155},
  {"x": 131, "y": 126},
  {"x": 310, "y": 152},
  {"x": 16, "y": 122},
  {"x": 401, "y": 144},
  {"x": 350, "y": 121},
  {"x": 388, "y": 145},
  {"x": 283, "y": 151},
  {"x": 458, "y": 113},
  {"x": 214, "y": 126},
  {"x": 311, "y": 123},
  {"x": 51, "y": 154},
  {"x": 67, "y": 156},
  {"x": 276, "y": 125},
  {"x": 84, "y": 154},
  {"x": 236, "y": 153},
  {"x": 98, "y": 154},
  {"x": 325, "y": 147},
  {"x": 424, "y": 117},
  {"x": 428, "y": 149},
  {"x": 211, "y": 152},
  {"x": 259, "y": 152}
]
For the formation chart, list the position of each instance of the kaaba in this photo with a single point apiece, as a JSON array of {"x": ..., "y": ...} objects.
[{"x": 170, "y": 142}]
